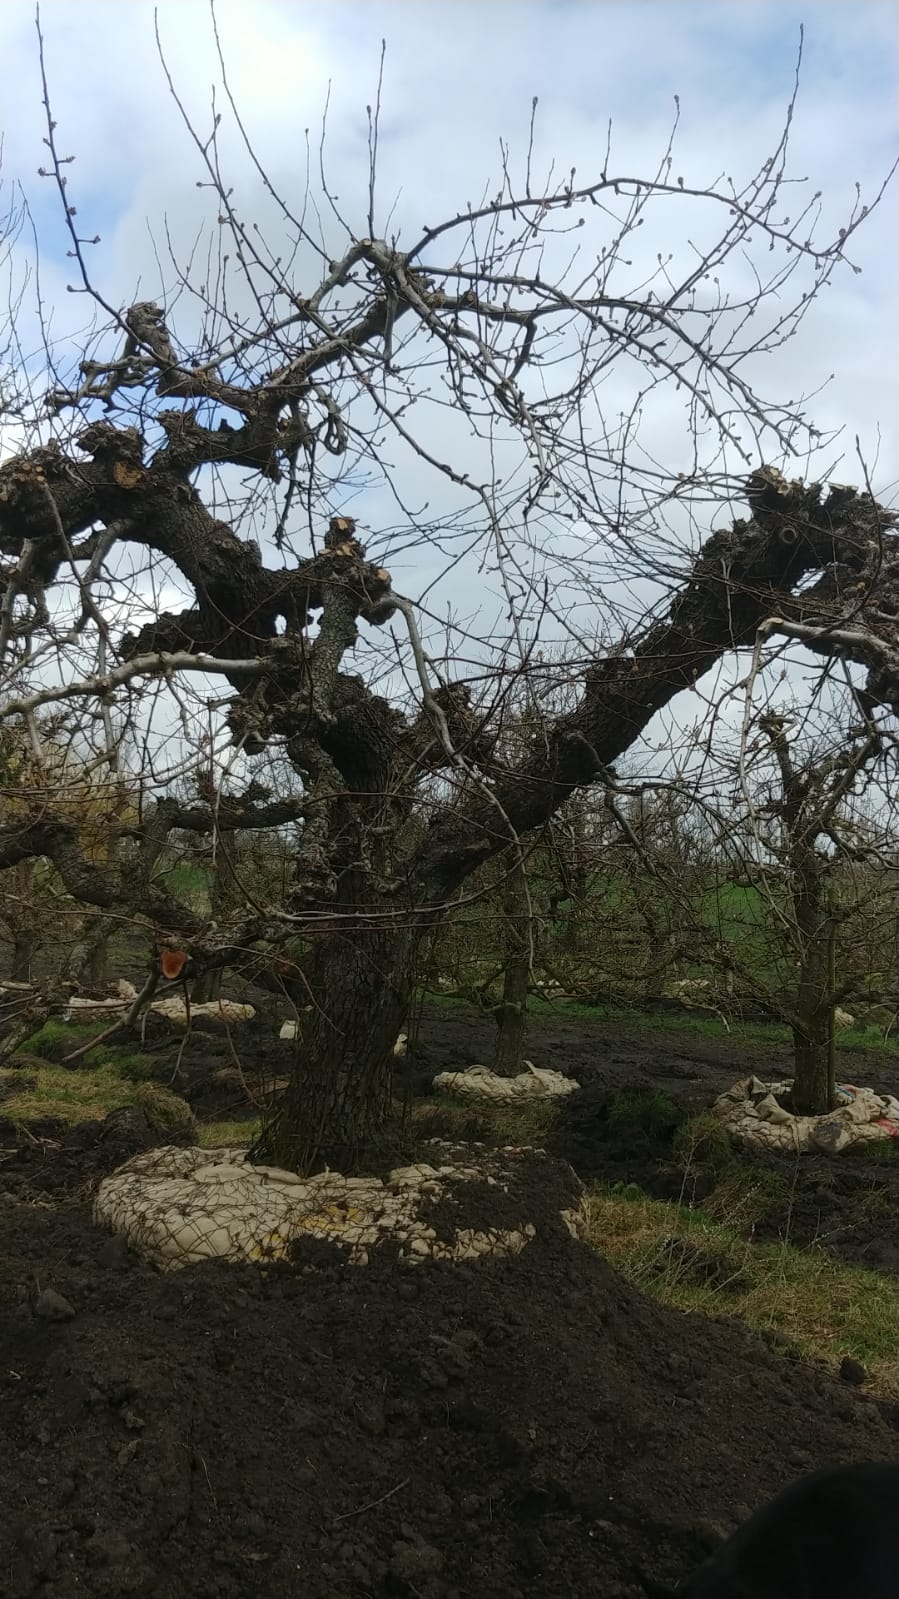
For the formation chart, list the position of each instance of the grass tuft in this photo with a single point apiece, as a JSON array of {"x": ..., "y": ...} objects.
[
  {"x": 66, "y": 1096},
  {"x": 703, "y": 1143},
  {"x": 224, "y": 1135},
  {"x": 648, "y": 1110},
  {"x": 88, "y": 1094},
  {"x": 55, "y": 1037},
  {"x": 824, "y": 1308}
]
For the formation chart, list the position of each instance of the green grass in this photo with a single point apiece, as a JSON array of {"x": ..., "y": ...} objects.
[
  {"x": 704, "y": 1143},
  {"x": 55, "y": 1035},
  {"x": 164, "y": 1108},
  {"x": 56, "y": 1039},
  {"x": 883, "y": 1151},
  {"x": 88, "y": 1094},
  {"x": 652, "y": 1111},
  {"x": 134, "y": 1065},
  {"x": 223, "y": 1135},
  {"x": 188, "y": 883},
  {"x": 825, "y": 1308},
  {"x": 68, "y": 1096},
  {"x": 745, "y": 1197}
]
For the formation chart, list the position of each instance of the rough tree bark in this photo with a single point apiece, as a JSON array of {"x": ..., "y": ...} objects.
[
  {"x": 208, "y": 986},
  {"x": 813, "y": 1021},
  {"x": 570, "y": 888},
  {"x": 337, "y": 1105},
  {"x": 97, "y": 966},
  {"x": 511, "y": 1015},
  {"x": 25, "y": 921},
  {"x": 661, "y": 955}
]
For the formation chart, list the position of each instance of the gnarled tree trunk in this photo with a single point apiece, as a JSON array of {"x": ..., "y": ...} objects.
[
  {"x": 660, "y": 958},
  {"x": 337, "y": 1104},
  {"x": 97, "y": 968},
  {"x": 25, "y": 923},
  {"x": 363, "y": 760}
]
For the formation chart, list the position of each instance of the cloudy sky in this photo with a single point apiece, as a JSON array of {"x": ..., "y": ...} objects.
[{"x": 459, "y": 78}]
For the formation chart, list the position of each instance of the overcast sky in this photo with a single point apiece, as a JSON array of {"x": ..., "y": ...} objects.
[{"x": 460, "y": 77}]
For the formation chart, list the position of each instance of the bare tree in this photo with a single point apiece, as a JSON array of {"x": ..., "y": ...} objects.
[
  {"x": 244, "y": 403},
  {"x": 662, "y": 884},
  {"x": 804, "y": 838}
]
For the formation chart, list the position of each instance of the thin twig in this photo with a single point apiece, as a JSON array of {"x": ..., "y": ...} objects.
[
  {"x": 128, "y": 1020},
  {"x": 373, "y": 1503}
]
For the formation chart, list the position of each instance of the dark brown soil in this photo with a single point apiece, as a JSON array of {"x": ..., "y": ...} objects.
[{"x": 499, "y": 1430}]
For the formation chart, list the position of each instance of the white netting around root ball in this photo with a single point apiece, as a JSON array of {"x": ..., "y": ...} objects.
[
  {"x": 480, "y": 1083},
  {"x": 752, "y": 1111},
  {"x": 179, "y": 1206}
]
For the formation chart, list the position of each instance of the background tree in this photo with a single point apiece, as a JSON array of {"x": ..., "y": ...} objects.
[
  {"x": 663, "y": 881},
  {"x": 255, "y": 397},
  {"x": 805, "y": 844}
]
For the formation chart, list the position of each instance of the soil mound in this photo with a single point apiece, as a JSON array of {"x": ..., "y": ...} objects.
[{"x": 499, "y": 1429}]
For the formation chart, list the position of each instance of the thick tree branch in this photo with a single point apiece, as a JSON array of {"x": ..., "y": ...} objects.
[
  {"x": 91, "y": 883},
  {"x": 739, "y": 578}
]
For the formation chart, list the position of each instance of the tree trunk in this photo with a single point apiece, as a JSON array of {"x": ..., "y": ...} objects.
[
  {"x": 97, "y": 968},
  {"x": 336, "y": 1108},
  {"x": 89, "y": 961},
  {"x": 24, "y": 922},
  {"x": 208, "y": 986},
  {"x": 811, "y": 1053},
  {"x": 511, "y": 1013},
  {"x": 659, "y": 960},
  {"x": 813, "y": 1020},
  {"x": 23, "y": 952},
  {"x": 512, "y": 1017}
]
